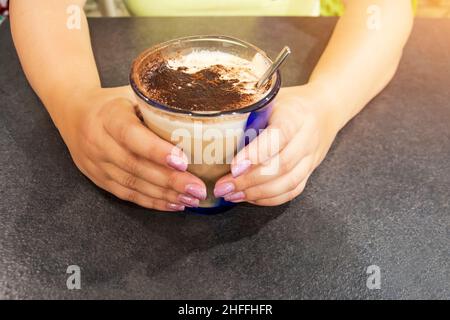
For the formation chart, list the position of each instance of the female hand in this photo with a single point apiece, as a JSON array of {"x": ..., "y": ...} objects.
[
  {"x": 304, "y": 130},
  {"x": 110, "y": 145}
]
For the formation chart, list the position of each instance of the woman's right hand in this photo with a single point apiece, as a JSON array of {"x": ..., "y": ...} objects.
[{"x": 111, "y": 146}]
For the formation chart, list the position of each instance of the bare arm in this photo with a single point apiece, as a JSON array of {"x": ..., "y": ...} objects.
[
  {"x": 57, "y": 61},
  {"x": 363, "y": 54},
  {"x": 357, "y": 64},
  {"x": 107, "y": 141},
  {"x": 359, "y": 61}
]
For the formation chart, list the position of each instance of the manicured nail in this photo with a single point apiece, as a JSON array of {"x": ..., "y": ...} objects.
[
  {"x": 223, "y": 189},
  {"x": 240, "y": 167},
  {"x": 188, "y": 201},
  {"x": 196, "y": 191},
  {"x": 176, "y": 162},
  {"x": 235, "y": 197},
  {"x": 175, "y": 207}
]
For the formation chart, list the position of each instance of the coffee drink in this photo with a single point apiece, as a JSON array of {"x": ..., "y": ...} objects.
[
  {"x": 199, "y": 94},
  {"x": 204, "y": 81}
]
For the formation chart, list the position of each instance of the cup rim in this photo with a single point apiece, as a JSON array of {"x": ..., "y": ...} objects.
[{"x": 253, "y": 107}]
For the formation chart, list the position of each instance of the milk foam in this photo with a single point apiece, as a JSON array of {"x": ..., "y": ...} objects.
[{"x": 246, "y": 71}]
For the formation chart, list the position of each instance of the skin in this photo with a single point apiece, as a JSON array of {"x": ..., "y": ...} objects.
[
  {"x": 308, "y": 117},
  {"x": 111, "y": 147}
]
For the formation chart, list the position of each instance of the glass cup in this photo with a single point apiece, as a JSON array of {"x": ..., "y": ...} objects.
[{"x": 209, "y": 139}]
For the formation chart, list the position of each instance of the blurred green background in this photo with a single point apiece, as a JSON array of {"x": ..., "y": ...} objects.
[{"x": 423, "y": 8}]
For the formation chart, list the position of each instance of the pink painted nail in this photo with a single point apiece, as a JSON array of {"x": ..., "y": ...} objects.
[
  {"x": 175, "y": 207},
  {"x": 176, "y": 162},
  {"x": 196, "y": 191},
  {"x": 235, "y": 197},
  {"x": 188, "y": 201},
  {"x": 240, "y": 167},
  {"x": 223, "y": 189}
]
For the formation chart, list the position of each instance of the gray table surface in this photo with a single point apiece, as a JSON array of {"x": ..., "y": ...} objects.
[{"x": 381, "y": 197}]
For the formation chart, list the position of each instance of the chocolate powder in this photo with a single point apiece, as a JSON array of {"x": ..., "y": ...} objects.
[{"x": 200, "y": 91}]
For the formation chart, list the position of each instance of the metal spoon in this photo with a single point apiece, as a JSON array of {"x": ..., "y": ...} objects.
[{"x": 274, "y": 67}]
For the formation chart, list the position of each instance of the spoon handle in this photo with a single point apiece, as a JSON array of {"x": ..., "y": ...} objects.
[{"x": 274, "y": 67}]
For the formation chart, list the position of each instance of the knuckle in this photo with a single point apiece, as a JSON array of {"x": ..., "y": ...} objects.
[
  {"x": 255, "y": 193},
  {"x": 168, "y": 195},
  {"x": 251, "y": 179},
  {"x": 129, "y": 181},
  {"x": 123, "y": 132},
  {"x": 89, "y": 137},
  {"x": 291, "y": 195},
  {"x": 131, "y": 164},
  {"x": 301, "y": 188},
  {"x": 131, "y": 196},
  {"x": 300, "y": 181},
  {"x": 109, "y": 119},
  {"x": 115, "y": 106},
  {"x": 286, "y": 164},
  {"x": 172, "y": 178},
  {"x": 161, "y": 194},
  {"x": 291, "y": 157},
  {"x": 79, "y": 164},
  {"x": 92, "y": 150},
  {"x": 88, "y": 132},
  {"x": 296, "y": 192},
  {"x": 126, "y": 195},
  {"x": 149, "y": 203},
  {"x": 287, "y": 130},
  {"x": 126, "y": 131},
  {"x": 245, "y": 181},
  {"x": 292, "y": 182},
  {"x": 159, "y": 204}
]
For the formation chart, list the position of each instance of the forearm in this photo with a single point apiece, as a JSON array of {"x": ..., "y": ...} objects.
[
  {"x": 360, "y": 58},
  {"x": 57, "y": 60}
]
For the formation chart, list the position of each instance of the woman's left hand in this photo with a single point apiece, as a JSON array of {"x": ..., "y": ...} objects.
[{"x": 304, "y": 130}]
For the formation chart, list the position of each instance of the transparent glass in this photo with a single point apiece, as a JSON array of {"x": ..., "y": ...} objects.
[{"x": 205, "y": 128}]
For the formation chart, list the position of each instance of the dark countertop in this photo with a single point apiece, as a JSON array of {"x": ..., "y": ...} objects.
[{"x": 382, "y": 196}]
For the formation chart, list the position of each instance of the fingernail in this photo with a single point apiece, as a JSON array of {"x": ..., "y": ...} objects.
[
  {"x": 188, "y": 201},
  {"x": 223, "y": 189},
  {"x": 175, "y": 207},
  {"x": 240, "y": 167},
  {"x": 176, "y": 162},
  {"x": 235, "y": 197},
  {"x": 196, "y": 190}
]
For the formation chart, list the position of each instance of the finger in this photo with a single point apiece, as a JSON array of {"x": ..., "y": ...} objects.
[
  {"x": 280, "y": 164},
  {"x": 286, "y": 197},
  {"x": 141, "y": 199},
  {"x": 124, "y": 127},
  {"x": 92, "y": 172},
  {"x": 99, "y": 178},
  {"x": 166, "y": 178},
  {"x": 269, "y": 143},
  {"x": 130, "y": 181},
  {"x": 279, "y": 186}
]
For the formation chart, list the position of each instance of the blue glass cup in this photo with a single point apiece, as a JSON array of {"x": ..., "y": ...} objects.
[{"x": 196, "y": 131}]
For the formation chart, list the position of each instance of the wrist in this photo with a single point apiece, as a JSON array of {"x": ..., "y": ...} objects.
[
  {"x": 323, "y": 102},
  {"x": 66, "y": 110},
  {"x": 66, "y": 106}
]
